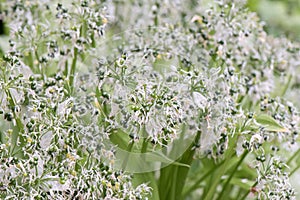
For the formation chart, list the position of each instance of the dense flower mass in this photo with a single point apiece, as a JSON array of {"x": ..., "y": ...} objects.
[{"x": 84, "y": 80}]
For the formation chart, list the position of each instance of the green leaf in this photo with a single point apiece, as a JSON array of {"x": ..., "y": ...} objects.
[
  {"x": 120, "y": 138},
  {"x": 160, "y": 157},
  {"x": 246, "y": 170},
  {"x": 243, "y": 183},
  {"x": 269, "y": 123}
]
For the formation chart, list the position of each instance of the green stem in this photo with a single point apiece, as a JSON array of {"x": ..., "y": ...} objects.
[
  {"x": 144, "y": 145},
  {"x": 172, "y": 178},
  {"x": 240, "y": 99},
  {"x": 238, "y": 193},
  {"x": 93, "y": 40},
  {"x": 294, "y": 170},
  {"x": 73, "y": 66},
  {"x": 65, "y": 73},
  {"x": 187, "y": 158},
  {"x": 37, "y": 58},
  {"x": 287, "y": 85},
  {"x": 197, "y": 183},
  {"x": 1, "y": 137},
  {"x": 20, "y": 126},
  {"x": 246, "y": 194},
  {"x": 232, "y": 173},
  {"x": 73, "y": 69},
  {"x": 293, "y": 157},
  {"x": 143, "y": 151},
  {"x": 228, "y": 155},
  {"x": 173, "y": 187},
  {"x": 145, "y": 140},
  {"x": 212, "y": 188}
]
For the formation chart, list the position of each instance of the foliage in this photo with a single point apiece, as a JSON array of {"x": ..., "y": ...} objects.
[{"x": 104, "y": 100}]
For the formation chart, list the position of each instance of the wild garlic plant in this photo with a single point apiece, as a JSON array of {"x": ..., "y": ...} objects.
[{"x": 146, "y": 100}]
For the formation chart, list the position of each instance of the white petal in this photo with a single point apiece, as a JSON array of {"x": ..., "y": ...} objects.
[
  {"x": 46, "y": 140},
  {"x": 199, "y": 100}
]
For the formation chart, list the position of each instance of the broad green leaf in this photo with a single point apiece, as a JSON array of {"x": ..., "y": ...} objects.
[
  {"x": 120, "y": 138},
  {"x": 269, "y": 123},
  {"x": 160, "y": 157}
]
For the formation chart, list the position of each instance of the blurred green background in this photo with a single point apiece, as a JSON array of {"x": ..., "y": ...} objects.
[{"x": 282, "y": 17}]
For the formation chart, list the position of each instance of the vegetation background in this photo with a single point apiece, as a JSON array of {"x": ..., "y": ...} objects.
[{"x": 282, "y": 17}]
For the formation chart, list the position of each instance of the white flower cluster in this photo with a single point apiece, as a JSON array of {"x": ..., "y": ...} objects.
[
  {"x": 272, "y": 182},
  {"x": 66, "y": 88},
  {"x": 44, "y": 149}
]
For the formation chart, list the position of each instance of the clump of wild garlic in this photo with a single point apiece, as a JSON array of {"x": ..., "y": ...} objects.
[{"x": 196, "y": 89}]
